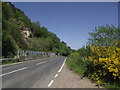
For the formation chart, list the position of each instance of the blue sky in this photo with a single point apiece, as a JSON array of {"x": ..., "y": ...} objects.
[{"x": 71, "y": 21}]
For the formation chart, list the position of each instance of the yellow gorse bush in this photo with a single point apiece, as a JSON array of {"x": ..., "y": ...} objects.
[{"x": 107, "y": 59}]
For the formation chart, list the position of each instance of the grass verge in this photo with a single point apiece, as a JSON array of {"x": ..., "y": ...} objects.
[{"x": 75, "y": 66}]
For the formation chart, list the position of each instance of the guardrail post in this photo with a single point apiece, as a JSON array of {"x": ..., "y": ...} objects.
[{"x": 18, "y": 52}]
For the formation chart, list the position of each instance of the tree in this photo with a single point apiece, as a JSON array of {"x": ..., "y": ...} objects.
[{"x": 104, "y": 36}]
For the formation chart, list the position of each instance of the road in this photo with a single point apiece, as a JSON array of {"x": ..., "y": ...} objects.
[{"x": 32, "y": 74}]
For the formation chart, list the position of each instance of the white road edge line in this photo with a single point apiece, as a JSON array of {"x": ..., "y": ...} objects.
[
  {"x": 13, "y": 71},
  {"x": 12, "y": 64},
  {"x": 56, "y": 75},
  {"x": 41, "y": 63},
  {"x": 62, "y": 65},
  {"x": 50, "y": 83}
]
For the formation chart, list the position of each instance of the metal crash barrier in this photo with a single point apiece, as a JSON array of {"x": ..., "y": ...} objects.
[
  {"x": 23, "y": 55},
  {"x": 28, "y": 55}
]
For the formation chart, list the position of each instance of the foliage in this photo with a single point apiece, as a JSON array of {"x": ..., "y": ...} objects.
[
  {"x": 100, "y": 59},
  {"x": 42, "y": 46},
  {"x": 76, "y": 63},
  {"x": 14, "y": 22},
  {"x": 104, "y": 36},
  {"x": 106, "y": 61},
  {"x": 9, "y": 47},
  {"x": 7, "y": 11},
  {"x": 84, "y": 51}
]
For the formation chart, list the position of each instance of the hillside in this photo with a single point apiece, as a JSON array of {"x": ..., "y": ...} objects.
[{"x": 20, "y": 33}]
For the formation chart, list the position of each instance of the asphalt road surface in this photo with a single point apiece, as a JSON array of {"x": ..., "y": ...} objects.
[{"x": 32, "y": 74}]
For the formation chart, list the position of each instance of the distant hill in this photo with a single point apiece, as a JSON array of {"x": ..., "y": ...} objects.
[{"x": 18, "y": 32}]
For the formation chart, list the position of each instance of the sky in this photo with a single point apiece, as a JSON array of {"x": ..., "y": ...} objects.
[{"x": 71, "y": 21}]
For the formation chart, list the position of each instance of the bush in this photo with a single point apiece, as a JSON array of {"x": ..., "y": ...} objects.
[
  {"x": 104, "y": 60},
  {"x": 106, "y": 63}
]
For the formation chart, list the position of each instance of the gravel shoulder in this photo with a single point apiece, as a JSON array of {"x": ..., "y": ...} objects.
[{"x": 68, "y": 79}]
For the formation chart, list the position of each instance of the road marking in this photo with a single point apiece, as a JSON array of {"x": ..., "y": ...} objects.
[
  {"x": 51, "y": 60},
  {"x": 41, "y": 63},
  {"x": 56, "y": 75},
  {"x": 50, "y": 83},
  {"x": 13, "y": 71},
  {"x": 62, "y": 65}
]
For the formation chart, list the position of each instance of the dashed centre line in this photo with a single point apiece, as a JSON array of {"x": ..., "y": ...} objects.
[
  {"x": 52, "y": 60},
  {"x": 13, "y": 71},
  {"x": 41, "y": 63}
]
